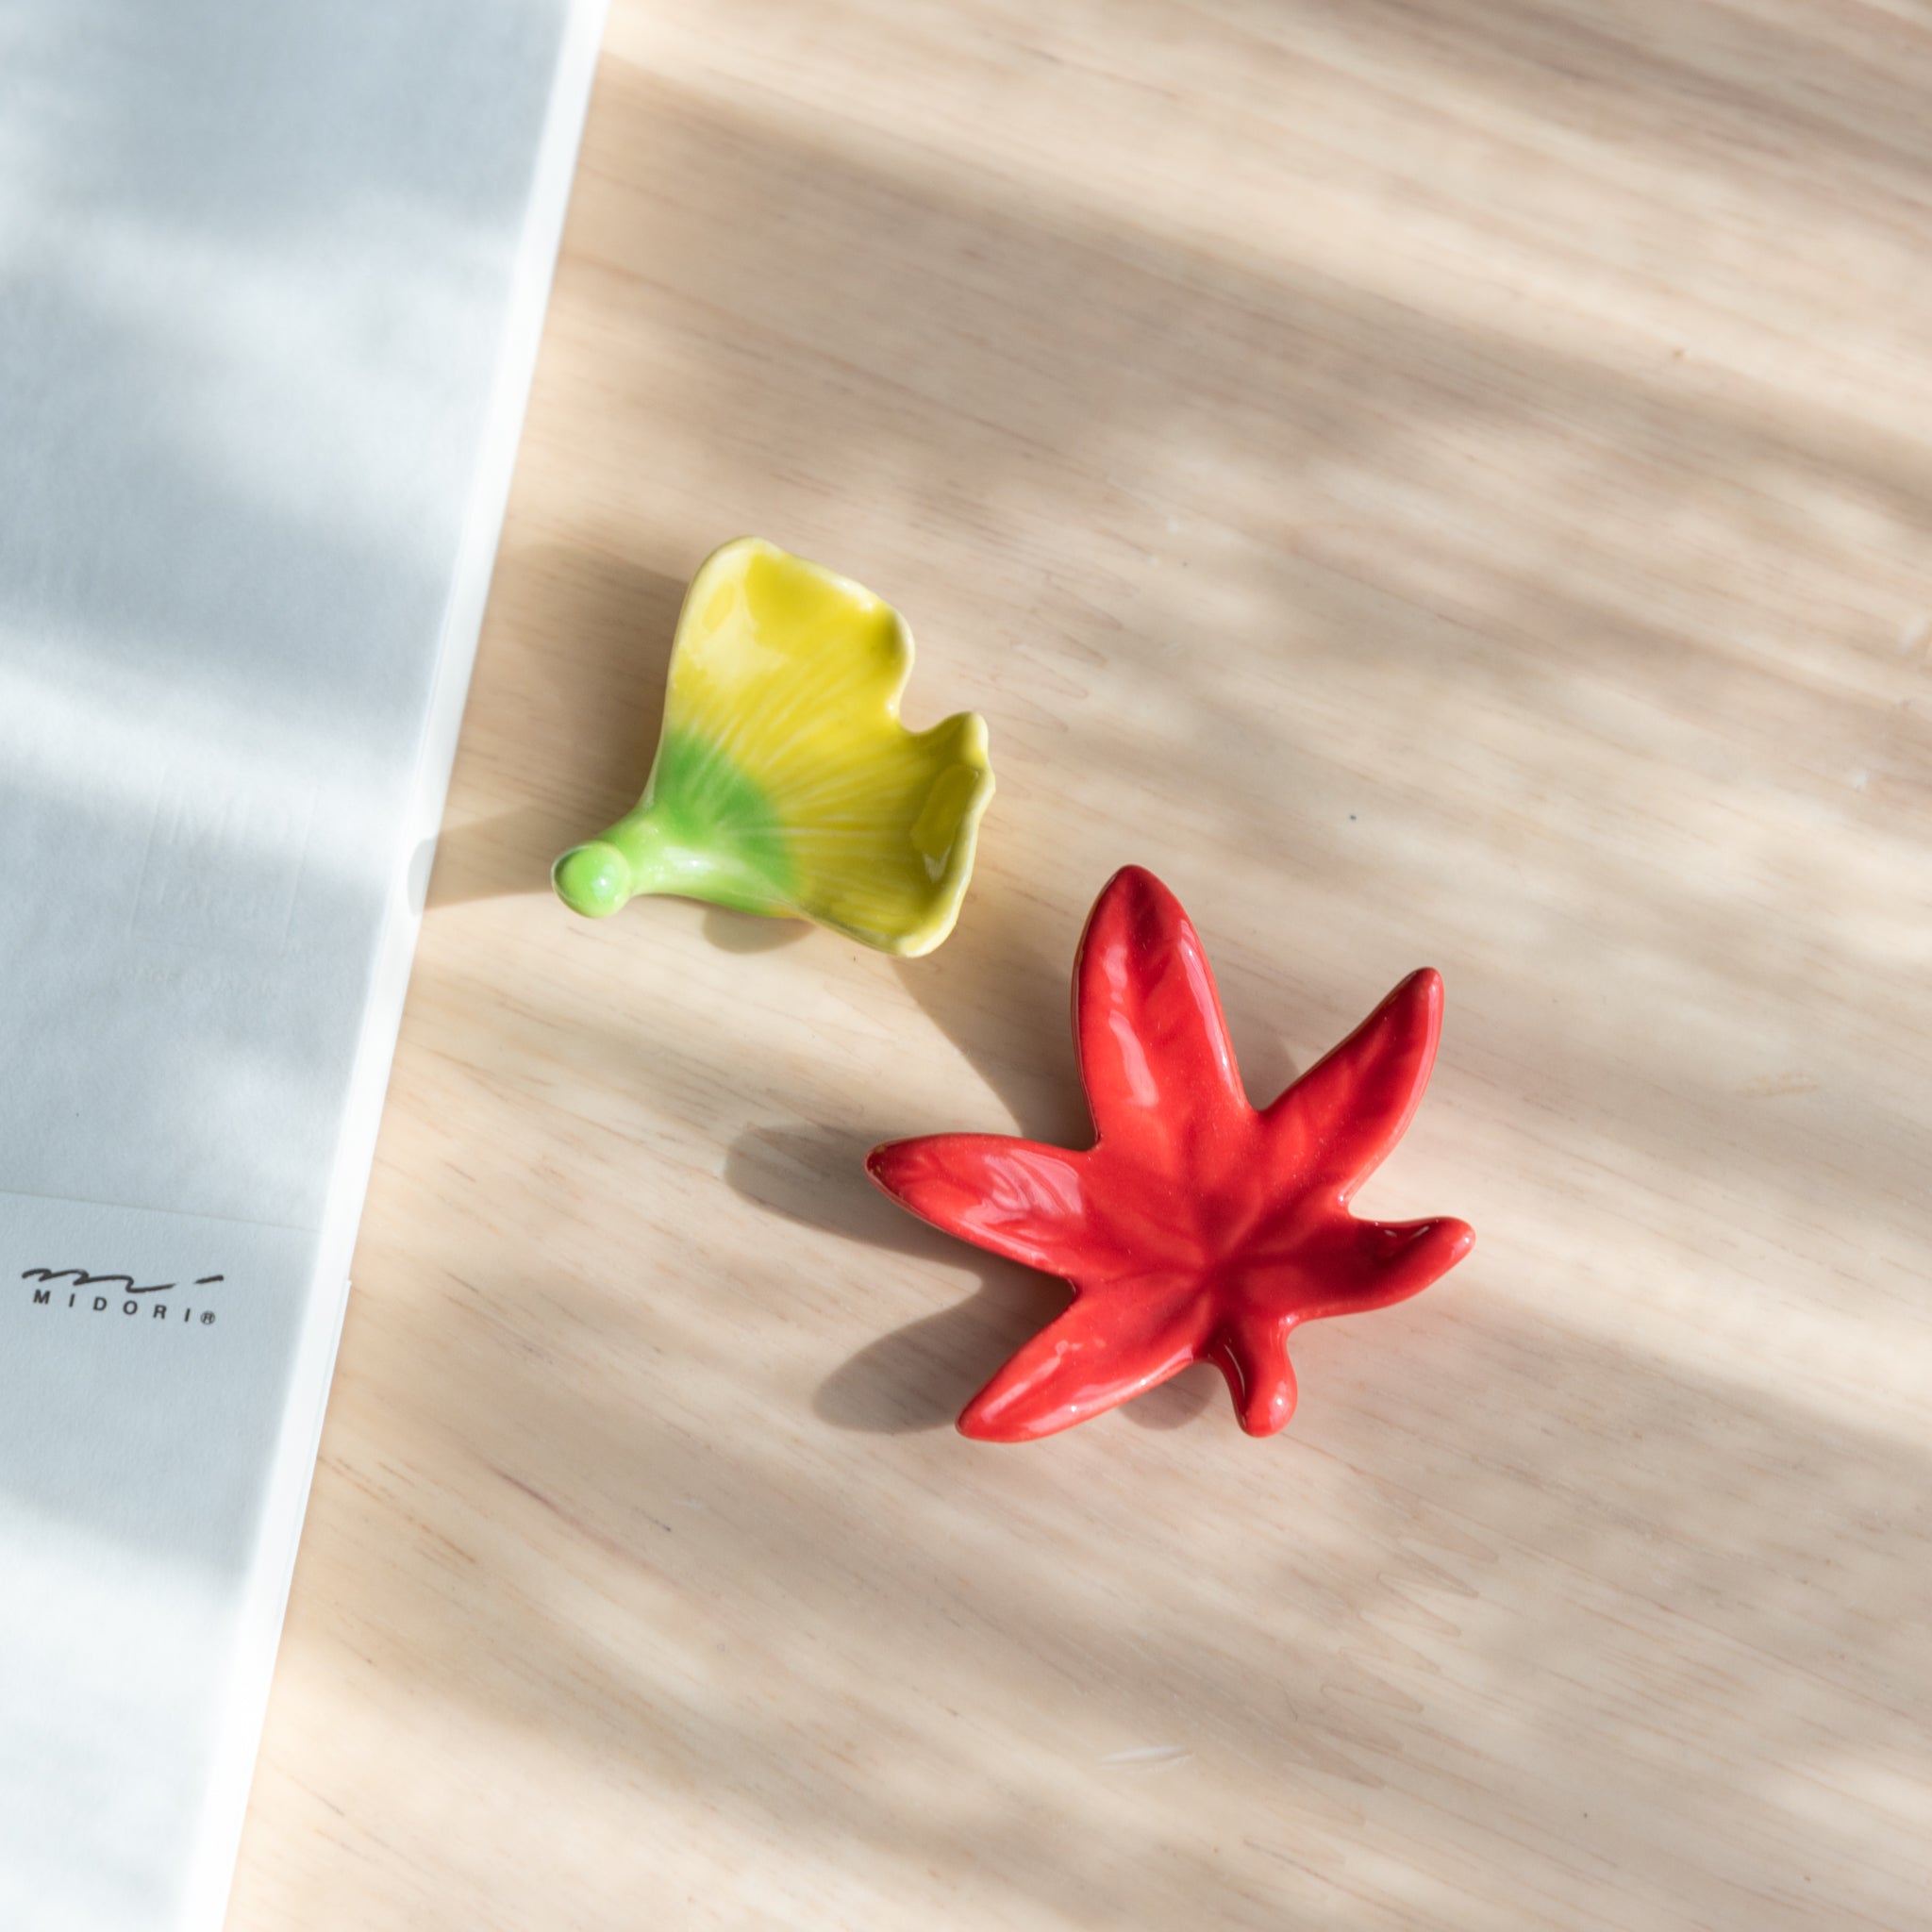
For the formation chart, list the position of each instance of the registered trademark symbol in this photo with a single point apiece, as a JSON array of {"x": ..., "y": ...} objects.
[{"x": 208, "y": 1315}]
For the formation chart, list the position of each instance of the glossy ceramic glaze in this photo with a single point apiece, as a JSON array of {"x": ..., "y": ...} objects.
[
  {"x": 1196, "y": 1228},
  {"x": 784, "y": 782}
]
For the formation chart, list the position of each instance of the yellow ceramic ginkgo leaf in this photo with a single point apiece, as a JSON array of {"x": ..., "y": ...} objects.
[{"x": 784, "y": 782}]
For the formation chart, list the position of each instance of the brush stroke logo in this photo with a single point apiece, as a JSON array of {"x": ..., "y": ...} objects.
[{"x": 122, "y": 1286}]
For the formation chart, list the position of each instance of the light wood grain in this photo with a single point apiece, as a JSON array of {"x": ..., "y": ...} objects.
[{"x": 1440, "y": 482}]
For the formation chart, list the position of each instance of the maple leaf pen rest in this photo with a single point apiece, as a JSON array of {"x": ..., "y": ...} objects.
[{"x": 1197, "y": 1227}]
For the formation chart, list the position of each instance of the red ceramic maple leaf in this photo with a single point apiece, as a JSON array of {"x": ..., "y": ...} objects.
[{"x": 1196, "y": 1228}]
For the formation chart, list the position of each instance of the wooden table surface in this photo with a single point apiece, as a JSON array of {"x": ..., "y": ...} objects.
[{"x": 1437, "y": 482}]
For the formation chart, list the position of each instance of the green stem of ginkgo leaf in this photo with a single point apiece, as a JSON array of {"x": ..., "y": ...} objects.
[{"x": 701, "y": 830}]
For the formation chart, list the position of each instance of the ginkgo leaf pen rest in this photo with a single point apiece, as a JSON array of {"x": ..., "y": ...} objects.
[{"x": 784, "y": 782}]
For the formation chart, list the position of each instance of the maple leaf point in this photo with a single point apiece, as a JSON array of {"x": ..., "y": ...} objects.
[{"x": 1197, "y": 1227}]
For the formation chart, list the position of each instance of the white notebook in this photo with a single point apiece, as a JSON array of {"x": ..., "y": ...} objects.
[{"x": 272, "y": 278}]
